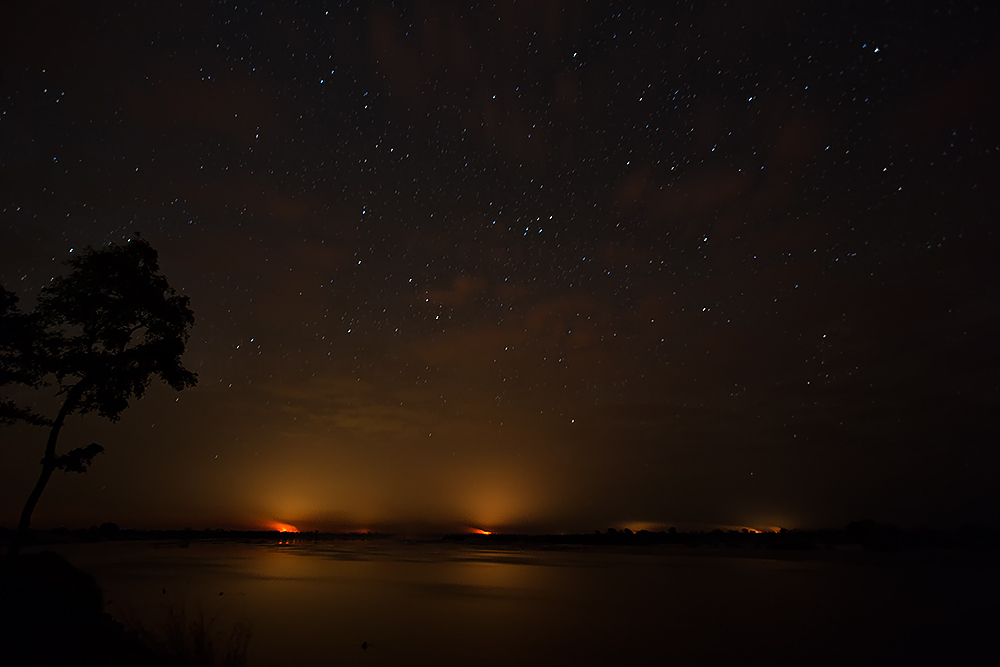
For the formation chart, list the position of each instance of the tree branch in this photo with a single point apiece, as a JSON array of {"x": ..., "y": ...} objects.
[{"x": 77, "y": 460}]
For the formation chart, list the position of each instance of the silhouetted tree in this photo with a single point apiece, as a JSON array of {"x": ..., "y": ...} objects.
[
  {"x": 19, "y": 334},
  {"x": 99, "y": 334}
]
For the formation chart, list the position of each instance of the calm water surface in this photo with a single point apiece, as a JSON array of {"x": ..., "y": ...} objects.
[{"x": 314, "y": 604}]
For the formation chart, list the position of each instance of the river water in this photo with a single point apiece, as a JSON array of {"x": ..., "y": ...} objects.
[{"x": 450, "y": 604}]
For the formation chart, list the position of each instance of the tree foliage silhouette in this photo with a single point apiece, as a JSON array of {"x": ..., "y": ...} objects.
[{"x": 99, "y": 334}]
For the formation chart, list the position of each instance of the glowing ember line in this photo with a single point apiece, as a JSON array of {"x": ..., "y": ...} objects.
[{"x": 282, "y": 527}]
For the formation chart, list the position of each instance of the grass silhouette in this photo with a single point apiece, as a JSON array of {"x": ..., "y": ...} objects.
[{"x": 191, "y": 637}]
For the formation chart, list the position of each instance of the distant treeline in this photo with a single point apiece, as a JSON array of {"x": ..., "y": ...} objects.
[
  {"x": 865, "y": 534},
  {"x": 111, "y": 532}
]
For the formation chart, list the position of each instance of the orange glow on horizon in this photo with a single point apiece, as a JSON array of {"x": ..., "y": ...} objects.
[
  {"x": 480, "y": 531},
  {"x": 749, "y": 529},
  {"x": 282, "y": 527}
]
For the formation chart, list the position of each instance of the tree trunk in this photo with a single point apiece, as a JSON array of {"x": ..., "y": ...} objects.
[{"x": 48, "y": 467}]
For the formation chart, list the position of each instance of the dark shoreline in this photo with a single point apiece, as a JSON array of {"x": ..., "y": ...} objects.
[{"x": 860, "y": 535}]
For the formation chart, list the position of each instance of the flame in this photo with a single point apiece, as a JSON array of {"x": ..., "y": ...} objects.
[
  {"x": 282, "y": 527},
  {"x": 749, "y": 529},
  {"x": 480, "y": 531}
]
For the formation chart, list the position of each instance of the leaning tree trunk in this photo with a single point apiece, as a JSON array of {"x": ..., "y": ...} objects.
[{"x": 48, "y": 467}]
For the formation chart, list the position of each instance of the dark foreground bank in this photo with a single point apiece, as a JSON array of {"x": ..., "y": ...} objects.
[{"x": 52, "y": 614}]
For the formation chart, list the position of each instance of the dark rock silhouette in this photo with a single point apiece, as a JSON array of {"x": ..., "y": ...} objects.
[{"x": 51, "y": 614}]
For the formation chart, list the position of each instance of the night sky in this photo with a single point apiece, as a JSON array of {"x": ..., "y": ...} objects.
[{"x": 537, "y": 266}]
